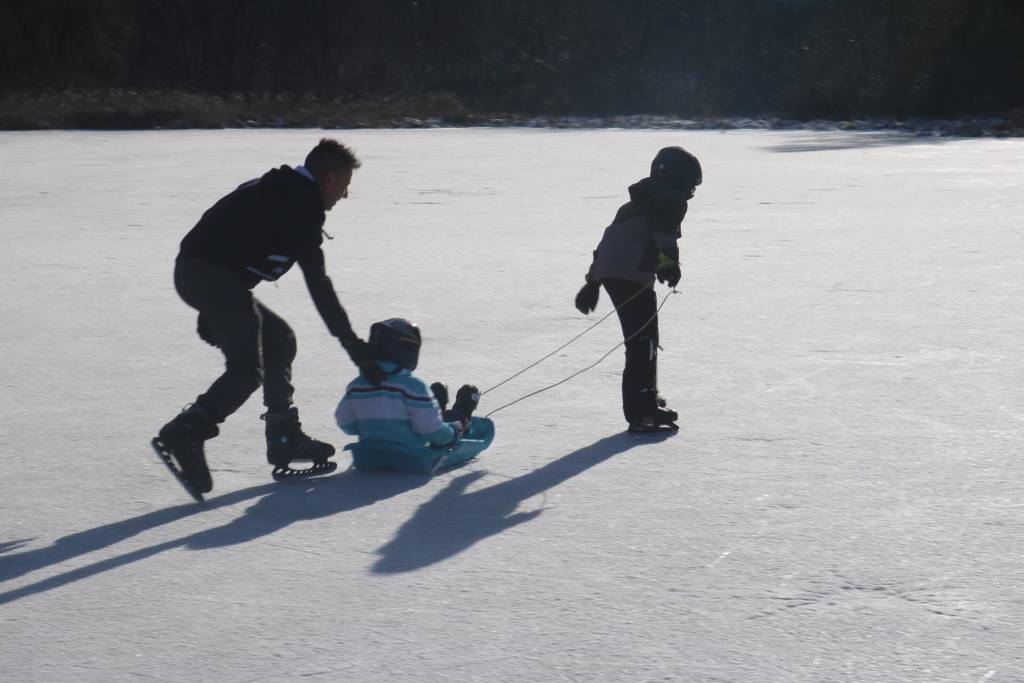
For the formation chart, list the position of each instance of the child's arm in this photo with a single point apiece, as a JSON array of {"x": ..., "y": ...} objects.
[
  {"x": 590, "y": 277},
  {"x": 667, "y": 213},
  {"x": 590, "y": 292}
]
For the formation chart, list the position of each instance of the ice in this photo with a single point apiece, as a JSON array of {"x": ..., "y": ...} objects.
[{"x": 843, "y": 501}]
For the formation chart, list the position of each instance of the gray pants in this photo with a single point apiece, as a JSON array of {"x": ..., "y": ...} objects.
[{"x": 258, "y": 345}]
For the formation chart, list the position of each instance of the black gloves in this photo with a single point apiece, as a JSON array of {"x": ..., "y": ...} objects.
[
  {"x": 205, "y": 333},
  {"x": 670, "y": 275},
  {"x": 362, "y": 355},
  {"x": 586, "y": 298}
]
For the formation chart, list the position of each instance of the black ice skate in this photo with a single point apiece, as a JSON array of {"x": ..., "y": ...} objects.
[
  {"x": 286, "y": 442},
  {"x": 662, "y": 420},
  {"x": 180, "y": 447}
]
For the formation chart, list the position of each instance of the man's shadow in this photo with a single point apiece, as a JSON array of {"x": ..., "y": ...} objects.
[
  {"x": 421, "y": 541},
  {"x": 455, "y": 520},
  {"x": 277, "y": 506}
]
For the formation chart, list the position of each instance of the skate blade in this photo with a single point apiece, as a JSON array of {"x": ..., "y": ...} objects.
[
  {"x": 654, "y": 430},
  {"x": 317, "y": 469},
  {"x": 168, "y": 460}
]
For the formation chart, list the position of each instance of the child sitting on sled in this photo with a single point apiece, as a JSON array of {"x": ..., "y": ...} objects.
[{"x": 400, "y": 423}]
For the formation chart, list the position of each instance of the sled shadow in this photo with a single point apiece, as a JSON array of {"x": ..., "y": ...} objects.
[
  {"x": 454, "y": 520},
  {"x": 305, "y": 500},
  {"x": 278, "y": 505}
]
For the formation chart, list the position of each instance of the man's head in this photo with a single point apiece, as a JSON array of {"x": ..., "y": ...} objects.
[
  {"x": 332, "y": 163},
  {"x": 678, "y": 168}
]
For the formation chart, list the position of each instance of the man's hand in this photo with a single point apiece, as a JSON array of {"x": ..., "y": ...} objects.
[
  {"x": 670, "y": 275},
  {"x": 586, "y": 298},
  {"x": 372, "y": 372},
  {"x": 362, "y": 355}
]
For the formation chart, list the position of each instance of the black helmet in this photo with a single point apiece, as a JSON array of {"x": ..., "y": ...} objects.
[
  {"x": 680, "y": 168},
  {"x": 396, "y": 340}
]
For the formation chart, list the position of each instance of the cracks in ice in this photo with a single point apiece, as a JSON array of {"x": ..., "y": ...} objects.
[
  {"x": 967, "y": 360},
  {"x": 764, "y": 439},
  {"x": 844, "y": 590}
]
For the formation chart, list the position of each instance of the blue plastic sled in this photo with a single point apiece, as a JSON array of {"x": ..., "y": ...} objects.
[{"x": 385, "y": 455}]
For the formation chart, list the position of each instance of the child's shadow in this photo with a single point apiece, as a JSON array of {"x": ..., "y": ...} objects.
[
  {"x": 454, "y": 520},
  {"x": 277, "y": 506}
]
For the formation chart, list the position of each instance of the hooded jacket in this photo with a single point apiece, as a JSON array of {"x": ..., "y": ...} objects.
[
  {"x": 642, "y": 238},
  {"x": 264, "y": 227},
  {"x": 401, "y": 410}
]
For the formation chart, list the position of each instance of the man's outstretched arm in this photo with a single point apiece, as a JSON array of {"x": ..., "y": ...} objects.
[{"x": 321, "y": 289}]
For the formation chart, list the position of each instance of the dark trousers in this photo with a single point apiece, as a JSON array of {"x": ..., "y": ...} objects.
[
  {"x": 258, "y": 345},
  {"x": 639, "y": 321}
]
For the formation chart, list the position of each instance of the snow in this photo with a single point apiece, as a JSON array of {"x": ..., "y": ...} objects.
[{"x": 843, "y": 503}]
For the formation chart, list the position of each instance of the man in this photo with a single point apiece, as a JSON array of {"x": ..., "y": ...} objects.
[{"x": 257, "y": 232}]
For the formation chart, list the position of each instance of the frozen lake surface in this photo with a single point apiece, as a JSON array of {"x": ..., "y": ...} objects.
[{"x": 844, "y": 501}]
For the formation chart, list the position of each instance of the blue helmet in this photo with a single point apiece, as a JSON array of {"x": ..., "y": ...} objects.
[
  {"x": 678, "y": 167},
  {"x": 396, "y": 340}
]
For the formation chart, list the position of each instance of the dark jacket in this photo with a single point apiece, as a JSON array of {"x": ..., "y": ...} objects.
[
  {"x": 263, "y": 228},
  {"x": 642, "y": 238}
]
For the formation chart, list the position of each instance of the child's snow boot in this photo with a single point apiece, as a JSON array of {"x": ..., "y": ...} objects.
[
  {"x": 466, "y": 400},
  {"x": 440, "y": 392}
]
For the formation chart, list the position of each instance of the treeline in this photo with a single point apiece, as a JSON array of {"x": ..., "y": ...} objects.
[{"x": 802, "y": 59}]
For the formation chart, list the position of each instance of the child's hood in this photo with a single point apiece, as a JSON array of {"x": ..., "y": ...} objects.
[
  {"x": 651, "y": 194},
  {"x": 647, "y": 189}
]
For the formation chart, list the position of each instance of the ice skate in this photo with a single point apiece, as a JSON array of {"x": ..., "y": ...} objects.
[
  {"x": 180, "y": 446},
  {"x": 661, "y": 420},
  {"x": 286, "y": 442}
]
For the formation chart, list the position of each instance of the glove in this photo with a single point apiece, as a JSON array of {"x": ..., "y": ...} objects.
[
  {"x": 670, "y": 275},
  {"x": 440, "y": 393},
  {"x": 586, "y": 298},
  {"x": 362, "y": 355},
  {"x": 205, "y": 333}
]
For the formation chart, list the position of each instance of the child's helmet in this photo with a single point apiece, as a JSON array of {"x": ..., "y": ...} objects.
[
  {"x": 677, "y": 166},
  {"x": 396, "y": 340}
]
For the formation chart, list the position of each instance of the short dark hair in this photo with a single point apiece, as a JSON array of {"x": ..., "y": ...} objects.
[{"x": 330, "y": 156}]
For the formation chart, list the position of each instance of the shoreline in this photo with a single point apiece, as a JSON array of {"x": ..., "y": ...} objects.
[{"x": 175, "y": 110}]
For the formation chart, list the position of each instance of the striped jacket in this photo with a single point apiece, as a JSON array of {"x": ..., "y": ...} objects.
[{"x": 401, "y": 410}]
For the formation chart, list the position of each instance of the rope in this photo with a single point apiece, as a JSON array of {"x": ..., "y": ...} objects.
[
  {"x": 592, "y": 365},
  {"x": 533, "y": 365}
]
